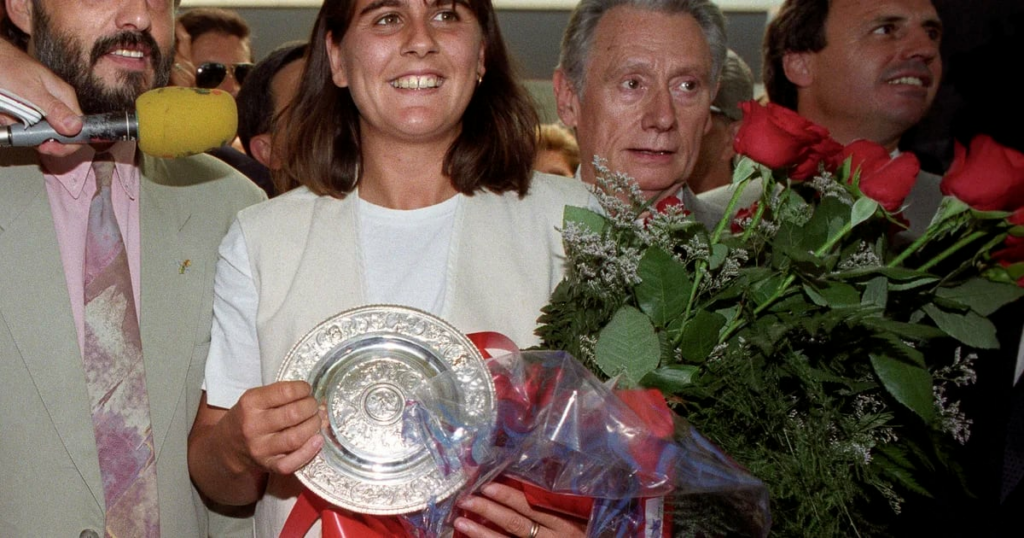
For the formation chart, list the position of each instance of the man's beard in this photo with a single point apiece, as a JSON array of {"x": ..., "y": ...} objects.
[{"x": 63, "y": 55}]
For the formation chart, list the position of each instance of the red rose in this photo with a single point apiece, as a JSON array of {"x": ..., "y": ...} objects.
[
  {"x": 1017, "y": 218},
  {"x": 663, "y": 205},
  {"x": 987, "y": 177},
  {"x": 736, "y": 225},
  {"x": 886, "y": 180},
  {"x": 778, "y": 138},
  {"x": 1012, "y": 253},
  {"x": 667, "y": 202}
]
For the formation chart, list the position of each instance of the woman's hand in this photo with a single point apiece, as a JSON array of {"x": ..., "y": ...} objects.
[
  {"x": 507, "y": 508},
  {"x": 272, "y": 429},
  {"x": 275, "y": 427}
]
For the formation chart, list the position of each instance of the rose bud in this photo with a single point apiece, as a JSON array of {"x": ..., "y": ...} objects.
[{"x": 884, "y": 179}]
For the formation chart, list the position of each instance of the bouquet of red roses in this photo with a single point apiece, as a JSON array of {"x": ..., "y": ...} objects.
[{"x": 811, "y": 335}]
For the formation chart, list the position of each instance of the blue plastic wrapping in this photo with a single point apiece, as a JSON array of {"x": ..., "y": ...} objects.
[{"x": 560, "y": 429}]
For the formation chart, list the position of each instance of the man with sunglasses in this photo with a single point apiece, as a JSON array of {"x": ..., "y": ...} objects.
[
  {"x": 215, "y": 44},
  {"x": 107, "y": 258}
]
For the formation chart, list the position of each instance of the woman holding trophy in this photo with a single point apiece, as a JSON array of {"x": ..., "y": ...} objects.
[{"x": 411, "y": 144}]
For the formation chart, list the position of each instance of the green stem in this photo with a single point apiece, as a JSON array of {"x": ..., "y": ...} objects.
[
  {"x": 753, "y": 224},
  {"x": 736, "y": 325},
  {"x": 951, "y": 250},
  {"x": 927, "y": 236},
  {"x": 701, "y": 266},
  {"x": 727, "y": 216}
]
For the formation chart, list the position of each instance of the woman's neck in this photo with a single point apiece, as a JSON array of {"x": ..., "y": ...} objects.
[{"x": 402, "y": 175}]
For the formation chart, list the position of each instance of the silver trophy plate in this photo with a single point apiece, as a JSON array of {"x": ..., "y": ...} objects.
[{"x": 364, "y": 365}]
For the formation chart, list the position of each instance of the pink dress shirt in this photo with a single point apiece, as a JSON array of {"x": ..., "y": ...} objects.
[{"x": 70, "y": 186}]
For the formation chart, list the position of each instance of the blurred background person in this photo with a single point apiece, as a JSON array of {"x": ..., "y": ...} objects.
[
  {"x": 715, "y": 160},
  {"x": 557, "y": 151},
  {"x": 212, "y": 50},
  {"x": 218, "y": 47},
  {"x": 413, "y": 145},
  {"x": 262, "y": 104},
  {"x": 708, "y": 189}
]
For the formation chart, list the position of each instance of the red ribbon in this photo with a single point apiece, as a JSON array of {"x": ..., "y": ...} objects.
[{"x": 337, "y": 522}]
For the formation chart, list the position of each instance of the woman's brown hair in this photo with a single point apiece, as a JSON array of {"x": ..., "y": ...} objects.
[{"x": 494, "y": 150}]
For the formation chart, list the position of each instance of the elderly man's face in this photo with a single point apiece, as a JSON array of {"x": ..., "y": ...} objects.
[
  {"x": 878, "y": 73},
  {"x": 110, "y": 52},
  {"x": 646, "y": 97}
]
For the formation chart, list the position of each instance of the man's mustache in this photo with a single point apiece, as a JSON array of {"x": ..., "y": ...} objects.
[{"x": 127, "y": 40}]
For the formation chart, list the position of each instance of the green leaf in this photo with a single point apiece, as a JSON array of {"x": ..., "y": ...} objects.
[
  {"x": 664, "y": 287},
  {"x": 763, "y": 290},
  {"x": 982, "y": 295},
  {"x": 969, "y": 328},
  {"x": 700, "y": 335},
  {"x": 839, "y": 294},
  {"x": 671, "y": 379},
  {"x": 828, "y": 221},
  {"x": 876, "y": 292},
  {"x": 911, "y": 385},
  {"x": 628, "y": 345},
  {"x": 862, "y": 210},
  {"x": 911, "y": 284},
  {"x": 948, "y": 208},
  {"x": 814, "y": 296},
  {"x": 910, "y": 331},
  {"x": 898, "y": 468},
  {"x": 745, "y": 167},
  {"x": 584, "y": 217},
  {"x": 718, "y": 254}
]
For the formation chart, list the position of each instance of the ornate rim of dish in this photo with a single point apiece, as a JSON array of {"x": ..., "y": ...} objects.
[{"x": 362, "y": 364}]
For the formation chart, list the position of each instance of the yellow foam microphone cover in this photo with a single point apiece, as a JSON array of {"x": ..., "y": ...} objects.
[{"x": 176, "y": 121}]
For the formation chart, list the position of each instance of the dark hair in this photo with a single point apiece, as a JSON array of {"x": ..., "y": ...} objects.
[
  {"x": 256, "y": 100},
  {"x": 202, "y": 20},
  {"x": 798, "y": 27},
  {"x": 493, "y": 151}
]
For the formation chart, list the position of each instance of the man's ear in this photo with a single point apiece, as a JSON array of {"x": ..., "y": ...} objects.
[
  {"x": 566, "y": 99},
  {"x": 799, "y": 68},
  {"x": 20, "y": 13},
  {"x": 261, "y": 147}
]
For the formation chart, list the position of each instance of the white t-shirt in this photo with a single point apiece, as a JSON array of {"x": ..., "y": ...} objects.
[
  {"x": 405, "y": 253},
  {"x": 405, "y": 259}
]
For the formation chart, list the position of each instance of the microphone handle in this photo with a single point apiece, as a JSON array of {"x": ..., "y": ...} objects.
[{"x": 109, "y": 127}]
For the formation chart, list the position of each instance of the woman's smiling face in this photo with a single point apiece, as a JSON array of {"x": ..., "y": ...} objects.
[{"x": 410, "y": 65}]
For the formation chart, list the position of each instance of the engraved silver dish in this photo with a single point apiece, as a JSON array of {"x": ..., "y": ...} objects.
[{"x": 364, "y": 365}]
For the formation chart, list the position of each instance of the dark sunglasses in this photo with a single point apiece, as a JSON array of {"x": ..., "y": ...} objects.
[{"x": 211, "y": 74}]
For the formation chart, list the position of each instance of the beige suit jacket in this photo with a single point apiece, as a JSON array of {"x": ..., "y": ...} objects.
[{"x": 50, "y": 481}]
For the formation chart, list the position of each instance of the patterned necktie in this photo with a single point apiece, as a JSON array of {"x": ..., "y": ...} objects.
[{"x": 115, "y": 372}]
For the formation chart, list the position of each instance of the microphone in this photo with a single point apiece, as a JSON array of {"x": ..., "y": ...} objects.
[{"x": 167, "y": 122}]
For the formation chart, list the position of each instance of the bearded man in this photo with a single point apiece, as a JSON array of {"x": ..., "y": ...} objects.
[{"x": 106, "y": 300}]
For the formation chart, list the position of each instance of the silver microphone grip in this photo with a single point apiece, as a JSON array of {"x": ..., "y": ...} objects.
[{"x": 109, "y": 127}]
